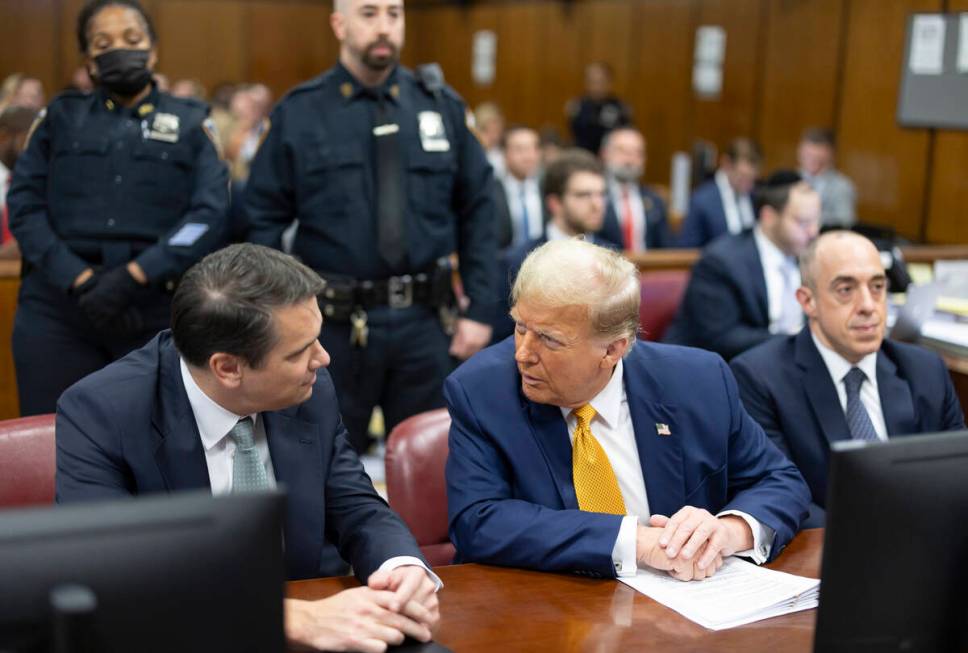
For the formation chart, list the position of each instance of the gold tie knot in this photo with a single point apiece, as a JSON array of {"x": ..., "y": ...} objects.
[{"x": 585, "y": 414}]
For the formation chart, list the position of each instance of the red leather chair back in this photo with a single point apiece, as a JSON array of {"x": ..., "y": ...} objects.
[
  {"x": 27, "y": 461},
  {"x": 416, "y": 454},
  {"x": 662, "y": 290}
]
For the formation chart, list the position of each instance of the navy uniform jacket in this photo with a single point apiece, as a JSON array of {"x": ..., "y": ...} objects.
[
  {"x": 786, "y": 387},
  {"x": 317, "y": 165},
  {"x": 591, "y": 119},
  {"x": 102, "y": 184},
  {"x": 510, "y": 493},
  {"x": 725, "y": 308},
  {"x": 656, "y": 222},
  {"x": 129, "y": 429}
]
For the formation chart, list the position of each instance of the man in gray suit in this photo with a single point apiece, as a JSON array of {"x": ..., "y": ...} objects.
[{"x": 838, "y": 199}]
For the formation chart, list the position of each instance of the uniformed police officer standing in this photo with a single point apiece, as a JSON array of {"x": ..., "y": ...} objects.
[
  {"x": 117, "y": 193},
  {"x": 385, "y": 179}
]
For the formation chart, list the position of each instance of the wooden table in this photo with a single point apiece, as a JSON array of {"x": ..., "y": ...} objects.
[{"x": 490, "y": 609}]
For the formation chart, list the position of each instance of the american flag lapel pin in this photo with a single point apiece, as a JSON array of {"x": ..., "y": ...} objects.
[{"x": 662, "y": 429}]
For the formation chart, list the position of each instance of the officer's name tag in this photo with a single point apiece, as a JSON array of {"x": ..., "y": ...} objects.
[
  {"x": 385, "y": 130},
  {"x": 164, "y": 128},
  {"x": 433, "y": 136},
  {"x": 188, "y": 235}
]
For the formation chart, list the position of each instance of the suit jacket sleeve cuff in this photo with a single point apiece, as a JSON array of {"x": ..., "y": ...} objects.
[
  {"x": 623, "y": 553},
  {"x": 762, "y": 537},
  {"x": 400, "y": 561}
]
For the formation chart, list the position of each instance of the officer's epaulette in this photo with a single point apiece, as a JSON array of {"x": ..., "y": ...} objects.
[
  {"x": 70, "y": 95},
  {"x": 313, "y": 84},
  {"x": 436, "y": 81}
]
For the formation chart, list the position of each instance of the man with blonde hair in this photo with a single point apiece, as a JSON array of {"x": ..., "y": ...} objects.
[{"x": 576, "y": 448}]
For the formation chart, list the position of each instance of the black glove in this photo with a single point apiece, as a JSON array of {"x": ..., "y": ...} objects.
[{"x": 106, "y": 296}]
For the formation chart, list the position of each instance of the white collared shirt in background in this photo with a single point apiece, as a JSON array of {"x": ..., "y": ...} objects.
[
  {"x": 214, "y": 423},
  {"x": 532, "y": 200},
  {"x": 612, "y": 427},
  {"x": 639, "y": 226},
  {"x": 739, "y": 212},
  {"x": 838, "y": 367},
  {"x": 780, "y": 291}
]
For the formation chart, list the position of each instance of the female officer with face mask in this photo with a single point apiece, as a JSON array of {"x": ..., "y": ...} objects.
[{"x": 117, "y": 193}]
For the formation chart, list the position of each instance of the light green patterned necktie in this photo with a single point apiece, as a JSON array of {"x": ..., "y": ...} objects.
[{"x": 248, "y": 472}]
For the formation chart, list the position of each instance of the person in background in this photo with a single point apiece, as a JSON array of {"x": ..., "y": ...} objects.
[
  {"x": 838, "y": 199},
  {"x": 635, "y": 217},
  {"x": 117, "y": 193},
  {"x": 573, "y": 189},
  {"x": 520, "y": 211},
  {"x": 162, "y": 83},
  {"x": 15, "y": 123},
  {"x": 19, "y": 90},
  {"x": 387, "y": 181},
  {"x": 189, "y": 88},
  {"x": 250, "y": 107},
  {"x": 551, "y": 145},
  {"x": 839, "y": 378},
  {"x": 489, "y": 127},
  {"x": 598, "y": 111},
  {"x": 742, "y": 291},
  {"x": 724, "y": 204}
]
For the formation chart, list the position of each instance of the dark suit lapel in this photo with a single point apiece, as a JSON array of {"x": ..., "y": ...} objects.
[
  {"x": 896, "y": 401},
  {"x": 754, "y": 268},
  {"x": 294, "y": 447},
  {"x": 551, "y": 432},
  {"x": 820, "y": 389},
  {"x": 178, "y": 446},
  {"x": 659, "y": 455}
]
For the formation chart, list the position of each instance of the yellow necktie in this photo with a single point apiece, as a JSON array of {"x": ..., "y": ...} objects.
[{"x": 595, "y": 483}]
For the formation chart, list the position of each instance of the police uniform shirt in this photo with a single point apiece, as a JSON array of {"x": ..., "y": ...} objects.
[
  {"x": 103, "y": 184},
  {"x": 317, "y": 165}
]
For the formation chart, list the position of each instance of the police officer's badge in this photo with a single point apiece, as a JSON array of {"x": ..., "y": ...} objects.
[
  {"x": 164, "y": 128},
  {"x": 433, "y": 136}
]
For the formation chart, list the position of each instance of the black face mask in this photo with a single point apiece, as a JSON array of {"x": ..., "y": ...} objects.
[{"x": 123, "y": 72}]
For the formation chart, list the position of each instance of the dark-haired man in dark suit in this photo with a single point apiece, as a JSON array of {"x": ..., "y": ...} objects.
[
  {"x": 236, "y": 398},
  {"x": 742, "y": 290},
  {"x": 839, "y": 378}
]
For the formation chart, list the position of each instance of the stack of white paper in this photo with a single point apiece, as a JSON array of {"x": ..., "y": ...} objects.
[{"x": 739, "y": 593}]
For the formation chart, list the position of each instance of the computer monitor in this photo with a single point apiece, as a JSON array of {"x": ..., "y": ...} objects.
[
  {"x": 895, "y": 560},
  {"x": 185, "y": 572}
]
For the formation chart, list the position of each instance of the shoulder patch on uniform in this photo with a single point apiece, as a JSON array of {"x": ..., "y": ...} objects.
[
  {"x": 208, "y": 127},
  {"x": 34, "y": 125}
]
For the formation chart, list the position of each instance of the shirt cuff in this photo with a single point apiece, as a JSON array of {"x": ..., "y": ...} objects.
[
  {"x": 762, "y": 537},
  {"x": 402, "y": 561},
  {"x": 623, "y": 553}
]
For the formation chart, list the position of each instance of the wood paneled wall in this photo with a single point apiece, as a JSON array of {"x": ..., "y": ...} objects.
[{"x": 789, "y": 64}]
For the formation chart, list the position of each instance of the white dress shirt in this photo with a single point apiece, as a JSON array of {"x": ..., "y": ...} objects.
[
  {"x": 782, "y": 275},
  {"x": 739, "y": 212},
  {"x": 838, "y": 367},
  {"x": 612, "y": 427},
  {"x": 214, "y": 423},
  {"x": 532, "y": 200},
  {"x": 615, "y": 193}
]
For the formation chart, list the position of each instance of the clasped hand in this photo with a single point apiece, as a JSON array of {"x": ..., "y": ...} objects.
[
  {"x": 692, "y": 544},
  {"x": 394, "y": 604}
]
